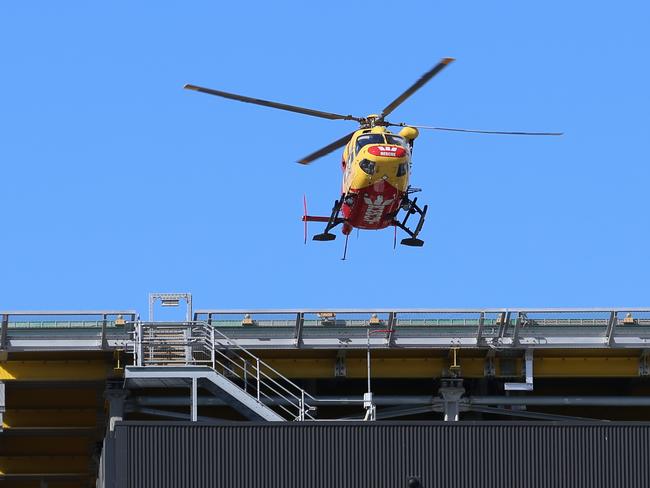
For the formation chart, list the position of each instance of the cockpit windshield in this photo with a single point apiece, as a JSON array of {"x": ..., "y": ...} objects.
[
  {"x": 366, "y": 139},
  {"x": 397, "y": 140}
]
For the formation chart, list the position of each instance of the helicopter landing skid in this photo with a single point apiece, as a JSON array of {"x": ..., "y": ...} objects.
[
  {"x": 413, "y": 208},
  {"x": 332, "y": 222}
]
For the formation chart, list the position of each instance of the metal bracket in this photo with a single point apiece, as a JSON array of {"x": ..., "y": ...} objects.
[
  {"x": 479, "y": 331},
  {"x": 451, "y": 391},
  {"x": 115, "y": 398},
  {"x": 297, "y": 335},
  {"x": 4, "y": 329},
  {"x": 504, "y": 322},
  {"x": 520, "y": 321},
  {"x": 340, "y": 368},
  {"x": 454, "y": 366},
  {"x": 2, "y": 403},
  {"x": 528, "y": 369},
  {"x": 644, "y": 364},
  {"x": 392, "y": 321},
  {"x": 611, "y": 326},
  {"x": 103, "y": 336},
  {"x": 489, "y": 368}
]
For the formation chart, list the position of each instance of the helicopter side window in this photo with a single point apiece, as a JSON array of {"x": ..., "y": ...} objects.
[{"x": 366, "y": 139}]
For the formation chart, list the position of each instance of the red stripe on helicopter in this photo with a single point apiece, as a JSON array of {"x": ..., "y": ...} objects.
[{"x": 387, "y": 151}]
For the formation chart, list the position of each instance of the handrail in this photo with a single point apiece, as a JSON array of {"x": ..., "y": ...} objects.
[
  {"x": 212, "y": 343},
  {"x": 246, "y": 351}
]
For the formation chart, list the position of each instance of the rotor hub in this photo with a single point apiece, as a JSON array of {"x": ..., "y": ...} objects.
[{"x": 373, "y": 120}]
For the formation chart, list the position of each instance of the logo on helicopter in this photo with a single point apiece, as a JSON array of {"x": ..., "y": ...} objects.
[
  {"x": 375, "y": 209},
  {"x": 387, "y": 151}
]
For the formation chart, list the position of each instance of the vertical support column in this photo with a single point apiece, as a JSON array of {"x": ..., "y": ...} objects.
[
  {"x": 504, "y": 323},
  {"x": 297, "y": 335},
  {"x": 392, "y": 322},
  {"x": 152, "y": 300},
  {"x": 138, "y": 344},
  {"x": 115, "y": 406},
  {"x": 187, "y": 338},
  {"x": 4, "y": 331},
  {"x": 2, "y": 403},
  {"x": 212, "y": 349},
  {"x": 188, "y": 300},
  {"x": 103, "y": 336},
  {"x": 451, "y": 391},
  {"x": 479, "y": 330},
  {"x": 518, "y": 324},
  {"x": 611, "y": 326},
  {"x": 194, "y": 401},
  {"x": 528, "y": 370}
]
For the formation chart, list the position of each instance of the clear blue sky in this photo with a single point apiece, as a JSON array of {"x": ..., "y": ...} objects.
[{"x": 115, "y": 182}]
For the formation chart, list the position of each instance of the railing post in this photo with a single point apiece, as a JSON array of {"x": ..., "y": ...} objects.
[
  {"x": 302, "y": 405},
  {"x": 4, "y": 331},
  {"x": 194, "y": 407},
  {"x": 257, "y": 361},
  {"x": 139, "y": 343},
  {"x": 213, "y": 345},
  {"x": 103, "y": 334}
]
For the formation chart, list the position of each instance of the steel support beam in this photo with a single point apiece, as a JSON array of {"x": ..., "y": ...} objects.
[
  {"x": 71, "y": 370},
  {"x": 504, "y": 323},
  {"x": 116, "y": 400},
  {"x": 4, "y": 330},
  {"x": 392, "y": 322},
  {"x": 103, "y": 336},
  {"x": 195, "y": 403},
  {"x": 518, "y": 324},
  {"x": 451, "y": 391},
  {"x": 297, "y": 335},
  {"x": 479, "y": 330},
  {"x": 570, "y": 401},
  {"x": 528, "y": 370},
  {"x": 530, "y": 415},
  {"x": 410, "y": 400},
  {"x": 611, "y": 326},
  {"x": 2, "y": 404}
]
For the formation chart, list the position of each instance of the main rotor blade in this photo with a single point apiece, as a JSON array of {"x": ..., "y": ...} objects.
[
  {"x": 416, "y": 86},
  {"x": 266, "y": 103},
  {"x": 478, "y": 131},
  {"x": 327, "y": 149}
]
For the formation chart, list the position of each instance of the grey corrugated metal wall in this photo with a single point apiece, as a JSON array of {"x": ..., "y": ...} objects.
[{"x": 378, "y": 455}]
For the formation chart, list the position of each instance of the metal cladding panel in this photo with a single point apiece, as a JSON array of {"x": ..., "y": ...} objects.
[{"x": 382, "y": 455}]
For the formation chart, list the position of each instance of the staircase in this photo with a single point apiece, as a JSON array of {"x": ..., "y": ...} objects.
[{"x": 195, "y": 353}]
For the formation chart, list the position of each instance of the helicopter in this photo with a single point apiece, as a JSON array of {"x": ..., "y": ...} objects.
[{"x": 376, "y": 165}]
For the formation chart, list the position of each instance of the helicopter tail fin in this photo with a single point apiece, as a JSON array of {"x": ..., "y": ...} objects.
[{"x": 310, "y": 218}]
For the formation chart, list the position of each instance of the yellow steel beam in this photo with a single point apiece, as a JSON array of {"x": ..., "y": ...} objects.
[
  {"x": 44, "y": 446},
  {"x": 47, "y": 397},
  {"x": 84, "y": 370},
  {"x": 82, "y": 482},
  {"x": 470, "y": 367},
  {"x": 382, "y": 367},
  {"x": 43, "y": 464},
  {"x": 78, "y": 417},
  {"x": 586, "y": 367}
]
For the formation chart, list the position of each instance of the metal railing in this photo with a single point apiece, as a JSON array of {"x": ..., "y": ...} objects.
[{"x": 199, "y": 344}]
